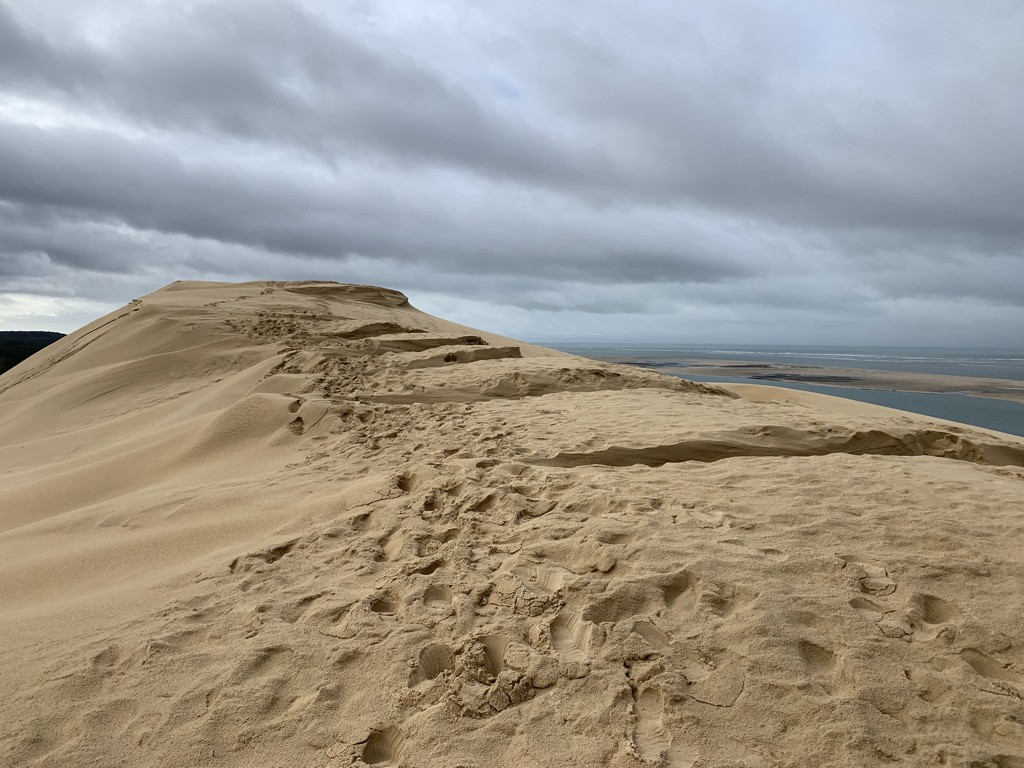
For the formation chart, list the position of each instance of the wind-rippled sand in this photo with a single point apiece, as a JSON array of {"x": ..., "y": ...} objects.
[{"x": 304, "y": 524}]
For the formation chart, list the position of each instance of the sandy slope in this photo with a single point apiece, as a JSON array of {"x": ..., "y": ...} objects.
[{"x": 304, "y": 524}]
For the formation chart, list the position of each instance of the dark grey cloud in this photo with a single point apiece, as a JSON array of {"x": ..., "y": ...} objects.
[
  {"x": 728, "y": 135},
  {"x": 266, "y": 71},
  {"x": 753, "y": 129},
  {"x": 721, "y": 170},
  {"x": 72, "y": 172}
]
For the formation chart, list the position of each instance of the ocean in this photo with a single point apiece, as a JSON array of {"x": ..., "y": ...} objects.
[{"x": 1001, "y": 415}]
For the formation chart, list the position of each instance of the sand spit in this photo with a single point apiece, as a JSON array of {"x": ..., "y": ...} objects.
[
  {"x": 855, "y": 378},
  {"x": 305, "y": 524}
]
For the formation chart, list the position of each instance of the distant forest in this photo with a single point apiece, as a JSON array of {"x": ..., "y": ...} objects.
[{"x": 15, "y": 346}]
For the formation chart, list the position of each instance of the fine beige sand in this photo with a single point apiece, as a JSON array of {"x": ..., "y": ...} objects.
[{"x": 304, "y": 524}]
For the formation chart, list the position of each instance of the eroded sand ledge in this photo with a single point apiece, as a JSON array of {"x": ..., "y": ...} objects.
[{"x": 304, "y": 524}]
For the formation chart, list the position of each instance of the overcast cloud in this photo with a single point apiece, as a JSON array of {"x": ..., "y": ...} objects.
[{"x": 719, "y": 171}]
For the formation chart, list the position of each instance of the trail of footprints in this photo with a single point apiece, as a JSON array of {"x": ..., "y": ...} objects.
[
  {"x": 920, "y": 617},
  {"x": 923, "y": 617},
  {"x": 507, "y": 623},
  {"x": 498, "y": 623},
  {"x": 501, "y": 623}
]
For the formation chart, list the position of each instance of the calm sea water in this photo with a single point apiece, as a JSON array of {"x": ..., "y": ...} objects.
[{"x": 1001, "y": 415}]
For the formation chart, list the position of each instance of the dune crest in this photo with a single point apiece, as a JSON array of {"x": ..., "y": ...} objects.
[{"x": 305, "y": 524}]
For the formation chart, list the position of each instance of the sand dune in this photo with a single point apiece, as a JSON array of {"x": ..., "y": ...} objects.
[{"x": 305, "y": 524}]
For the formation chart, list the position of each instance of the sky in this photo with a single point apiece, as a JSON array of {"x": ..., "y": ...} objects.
[{"x": 713, "y": 171}]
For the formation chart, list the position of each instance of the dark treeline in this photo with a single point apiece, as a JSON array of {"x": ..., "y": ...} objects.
[{"x": 15, "y": 346}]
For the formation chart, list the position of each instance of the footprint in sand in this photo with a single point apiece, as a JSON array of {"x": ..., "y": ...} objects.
[
  {"x": 267, "y": 556},
  {"x": 360, "y": 521},
  {"x": 870, "y": 577},
  {"x": 407, "y": 483},
  {"x": 868, "y": 608},
  {"x": 650, "y": 736},
  {"x": 384, "y": 604},
  {"x": 448, "y": 534},
  {"x": 386, "y": 746},
  {"x": 824, "y": 668},
  {"x": 572, "y": 635},
  {"x": 432, "y": 661},
  {"x": 706, "y": 519},
  {"x": 494, "y": 647},
  {"x": 659, "y": 640},
  {"x": 717, "y": 678},
  {"x": 999, "y": 677},
  {"x": 817, "y": 659},
  {"x": 931, "y": 616},
  {"x": 926, "y": 618},
  {"x": 776, "y": 555},
  {"x": 437, "y": 596},
  {"x": 428, "y": 567},
  {"x": 545, "y": 580}
]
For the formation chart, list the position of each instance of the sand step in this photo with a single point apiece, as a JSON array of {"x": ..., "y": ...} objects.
[
  {"x": 451, "y": 355},
  {"x": 371, "y": 330},
  {"x": 779, "y": 442},
  {"x": 421, "y": 343}
]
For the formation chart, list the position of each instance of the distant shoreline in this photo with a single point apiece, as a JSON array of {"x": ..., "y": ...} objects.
[
  {"x": 988, "y": 402},
  {"x": 854, "y": 378}
]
